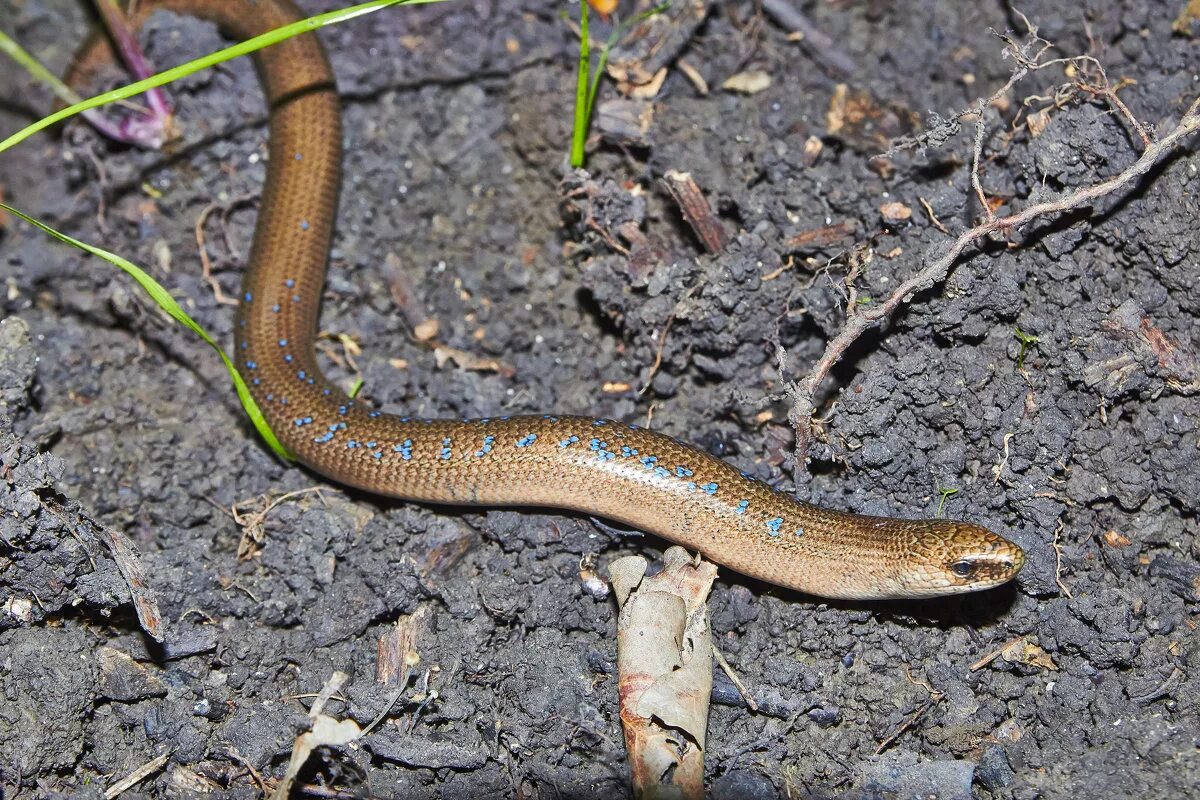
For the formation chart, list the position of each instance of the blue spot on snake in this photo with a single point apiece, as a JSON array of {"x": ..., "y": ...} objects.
[
  {"x": 277, "y": 308},
  {"x": 662, "y": 472},
  {"x": 742, "y": 506},
  {"x": 404, "y": 449},
  {"x": 323, "y": 438},
  {"x": 709, "y": 488},
  {"x": 527, "y": 440},
  {"x": 445, "y": 454},
  {"x": 774, "y": 525},
  {"x": 251, "y": 365},
  {"x": 283, "y": 342},
  {"x": 683, "y": 472},
  {"x": 288, "y": 358},
  {"x": 289, "y": 283},
  {"x": 247, "y": 297},
  {"x": 628, "y": 452},
  {"x": 649, "y": 461},
  {"x": 301, "y": 374},
  {"x": 350, "y": 445},
  {"x": 570, "y": 440},
  {"x": 488, "y": 441}
]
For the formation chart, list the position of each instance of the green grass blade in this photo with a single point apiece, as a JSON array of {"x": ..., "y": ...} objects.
[
  {"x": 168, "y": 304},
  {"x": 10, "y": 48},
  {"x": 240, "y": 49},
  {"x": 582, "y": 109},
  {"x": 585, "y": 90}
]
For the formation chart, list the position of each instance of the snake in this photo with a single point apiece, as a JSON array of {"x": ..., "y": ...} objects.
[{"x": 604, "y": 468}]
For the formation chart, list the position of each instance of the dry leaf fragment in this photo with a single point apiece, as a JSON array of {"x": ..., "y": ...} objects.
[
  {"x": 443, "y": 354},
  {"x": 751, "y": 82},
  {"x": 1115, "y": 539},
  {"x": 895, "y": 213},
  {"x": 1189, "y": 17},
  {"x": 812, "y": 150},
  {"x": 1037, "y": 122},
  {"x": 644, "y": 90},
  {"x": 1024, "y": 651}
]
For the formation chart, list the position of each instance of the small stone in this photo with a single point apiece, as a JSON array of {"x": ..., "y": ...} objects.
[{"x": 743, "y": 785}]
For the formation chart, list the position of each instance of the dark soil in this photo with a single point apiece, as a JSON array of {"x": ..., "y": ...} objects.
[{"x": 457, "y": 121}]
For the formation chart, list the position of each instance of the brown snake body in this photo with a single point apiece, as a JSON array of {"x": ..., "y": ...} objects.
[{"x": 600, "y": 467}]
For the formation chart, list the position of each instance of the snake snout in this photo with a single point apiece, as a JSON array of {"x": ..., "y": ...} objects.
[{"x": 979, "y": 559}]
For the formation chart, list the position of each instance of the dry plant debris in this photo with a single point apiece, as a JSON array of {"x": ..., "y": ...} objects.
[{"x": 664, "y": 663}]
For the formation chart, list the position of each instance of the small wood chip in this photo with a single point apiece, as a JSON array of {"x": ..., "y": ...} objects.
[
  {"x": 694, "y": 77},
  {"x": 397, "y": 651},
  {"x": 821, "y": 237},
  {"x": 750, "y": 82},
  {"x": 426, "y": 330},
  {"x": 696, "y": 211},
  {"x": 137, "y": 776}
]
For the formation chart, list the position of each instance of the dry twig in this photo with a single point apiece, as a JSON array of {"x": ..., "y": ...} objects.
[{"x": 860, "y": 319}]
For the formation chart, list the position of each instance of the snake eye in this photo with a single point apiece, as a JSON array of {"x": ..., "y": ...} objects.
[{"x": 962, "y": 569}]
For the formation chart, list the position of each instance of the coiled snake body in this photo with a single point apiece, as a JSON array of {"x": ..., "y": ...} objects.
[{"x": 600, "y": 467}]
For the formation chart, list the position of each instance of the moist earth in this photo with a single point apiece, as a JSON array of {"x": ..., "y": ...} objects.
[{"x": 557, "y": 290}]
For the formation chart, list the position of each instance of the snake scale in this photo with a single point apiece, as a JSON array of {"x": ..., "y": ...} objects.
[{"x": 600, "y": 467}]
